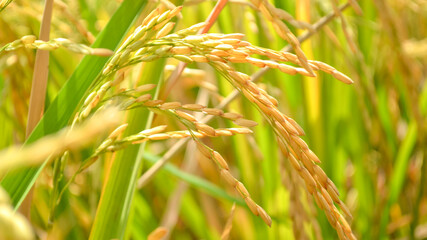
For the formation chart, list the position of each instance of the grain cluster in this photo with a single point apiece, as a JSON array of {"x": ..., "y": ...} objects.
[{"x": 152, "y": 40}]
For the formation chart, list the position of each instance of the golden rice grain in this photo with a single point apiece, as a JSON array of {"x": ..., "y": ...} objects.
[
  {"x": 289, "y": 128},
  {"x": 194, "y": 39},
  {"x": 210, "y": 131},
  {"x": 239, "y": 77},
  {"x": 307, "y": 163},
  {"x": 170, "y": 105},
  {"x": 238, "y": 53},
  {"x": 212, "y": 43},
  {"x": 255, "y": 50},
  {"x": 233, "y": 35},
  {"x": 240, "y": 130},
  {"x": 150, "y": 16},
  {"x": 309, "y": 180},
  {"x": 273, "y": 55},
  {"x": 256, "y": 62},
  {"x": 143, "y": 98},
  {"x": 183, "y": 58},
  {"x": 304, "y": 62},
  {"x": 89, "y": 98},
  {"x": 323, "y": 66},
  {"x": 346, "y": 227},
  {"x": 184, "y": 133},
  {"x": 271, "y": 64},
  {"x": 219, "y": 53},
  {"x": 283, "y": 148},
  {"x": 118, "y": 131},
  {"x": 332, "y": 187},
  {"x": 158, "y": 234},
  {"x": 331, "y": 219},
  {"x": 197, "y": 134},
  {"x": 341, "y": 77},
  {"x": 326, "y": 196},
  {"x": 272, "y": 100},
  {"x": 323, "y": 203},
  {"x": 321, "y": 175},
  {"x": 224, "y": 47},
  {"x": 345, "y": 209},
  {"x": 232, "y": 116},
  {"x": 252, "y": 206},
  {"x": 223, "y": 66},
  {"x": 159, "y": 136},
  {"x": 47, "y": 47},
  {"x": 220, "y": 160},
  {"x": 304, "y": 72},
  {"x": 313, "y": 65},
  {"x": 182, "y": 50},
  {"x": 228, "y": 177},
  {"x": 223, "y": 132},
  {"x": 206, "y": 152},
  {"x": 175, "y": 11},
  {"x": 185, "y": 115},
  {"x": 264, "y": 100},
  {"x": 152, "y": 23},
  {"x": 264, "y": 216},
  {"x": 214, "y": 58},
  {"x": 199, "y": 58},
  {"x": 301, "y": 143},
  {"x": 153, "y": 130},
  {"x": 312, "y": 156},
  {"x": 318, "y": 201},
  {"x": 242, "y": 189},
  {"x": 253, "y": 89},
  {"x": 276, "y": 115},
  {"x": 145, "y": 87},
  {"x": 102, "y": 52},
  {"x": 213, "y": 111},
  {"x": 296, "y": 126},
  {"x": 152, "y": 103},
  {"x": 163, "y": 16},
  {"x": 216, "y": 35},
  {"x": 232, "y": 41},
  {"x": 28, "y": 39},
  {"x": 294, "y": 162},
  {"x": 165, "y": 30},
  {"x": 238, "y": 59},
  {"x": 245, "y": 122},
  {"x": 283, "y": 132},
  {"x": 243, "y": 44},
  {"x": 333, "y": 193},
  {"x": 341, "y": 233},
  {"x": 193, "y": 107}
]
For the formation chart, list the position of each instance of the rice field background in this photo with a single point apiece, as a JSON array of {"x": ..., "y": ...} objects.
[{"x": 199, "y": 119}]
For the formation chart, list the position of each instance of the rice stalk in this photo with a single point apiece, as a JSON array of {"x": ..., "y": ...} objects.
[
  {"x": 38, "y": 88},
  {"x": 30, "y": 42}
]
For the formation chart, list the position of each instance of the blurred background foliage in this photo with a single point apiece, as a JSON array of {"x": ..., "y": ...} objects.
[{"x": 370, "y": 136}]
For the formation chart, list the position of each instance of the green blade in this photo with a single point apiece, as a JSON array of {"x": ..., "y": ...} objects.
[
  {"x": 114, "y": 206},
  {"x": 195, "y": 181}
]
